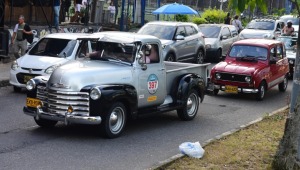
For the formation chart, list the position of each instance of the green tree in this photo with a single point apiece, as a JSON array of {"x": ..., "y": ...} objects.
[{"x": 287, "y": 156}]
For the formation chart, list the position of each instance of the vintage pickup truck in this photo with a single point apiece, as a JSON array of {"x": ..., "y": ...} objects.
[
  {"x": 125, "y": 76},
  {"x": 252, "y": 66}
]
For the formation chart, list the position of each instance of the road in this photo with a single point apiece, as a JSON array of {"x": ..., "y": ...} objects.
[{"x": 145, "y": 142}]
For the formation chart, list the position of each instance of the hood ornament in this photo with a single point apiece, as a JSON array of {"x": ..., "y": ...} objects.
[{"x": 60, "y": 85}]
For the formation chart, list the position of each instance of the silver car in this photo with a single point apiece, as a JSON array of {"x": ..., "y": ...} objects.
[
  {"x": 218, "y": 39},
  {"x": 181, "y": 41}
]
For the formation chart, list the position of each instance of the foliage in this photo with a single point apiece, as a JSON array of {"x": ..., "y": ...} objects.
[
  {"x": 241, "y": 5},
  {"x": 72, "y": 10},
  {"x": 278, "y": 12},
  {"x": 214, "y": 15},
  {"x": 199, "y": 20},
  {"x": 181, "y": 18}
]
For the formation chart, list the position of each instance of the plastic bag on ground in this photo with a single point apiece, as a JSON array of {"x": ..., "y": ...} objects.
[{"x": 192, "y": 149}]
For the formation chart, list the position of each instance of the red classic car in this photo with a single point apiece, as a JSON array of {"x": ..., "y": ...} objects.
[{"x": 252, "y": 66}]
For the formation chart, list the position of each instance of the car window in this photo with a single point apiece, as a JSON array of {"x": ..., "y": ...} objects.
[
  {"x": 249, "y": 52},
  {"x": 195, "y": 30},
  {"x": 294, "y": 20},
  {"x": 261, "y": 25},
  {"x": 151, "y": 54},
  {"x": 181, "y": 31},
  {"x": 226, "y": 32},
  {"x": 189, "y": 30},
  {"x": 210, "y": 31},
  {"x": 273, "y": 53},
  {"x": 160, "y": 31},
  {"x": 279, "y": 52}
]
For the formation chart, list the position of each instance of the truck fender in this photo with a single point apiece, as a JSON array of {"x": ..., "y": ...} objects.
[
  {"x": 185, "y": 83},
  {"x": 111, "y": 93}
]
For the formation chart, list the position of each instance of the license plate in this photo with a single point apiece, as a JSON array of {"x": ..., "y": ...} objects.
[
  {"x": 231, "y": 89},
  {"x": 27, "y": 78},
  {"x": 31, "y": 102}
]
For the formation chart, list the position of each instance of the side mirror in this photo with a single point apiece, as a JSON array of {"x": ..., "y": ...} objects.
[
  {"x": 141, "y": 60},
  {"x": 179, "y": 37},
  {"x": 224, "y": 37}
]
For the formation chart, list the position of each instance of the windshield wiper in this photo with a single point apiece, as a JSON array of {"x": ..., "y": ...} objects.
[{"x": 248, "y": 58}]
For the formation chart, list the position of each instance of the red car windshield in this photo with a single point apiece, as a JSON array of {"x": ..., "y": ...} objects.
[{"x": 245, "y": 51}]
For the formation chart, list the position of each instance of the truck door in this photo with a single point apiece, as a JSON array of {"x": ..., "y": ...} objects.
[
  {"x": 180, "y": 45},
  {"x": 226, "y": 40},
  {"x": 191, "y": 41},
  {"x": 274, "y": 67},
  {"x": 151, "y": 81}
]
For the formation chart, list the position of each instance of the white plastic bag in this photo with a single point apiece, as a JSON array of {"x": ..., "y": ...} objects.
[{"x": 192, "y": 149}]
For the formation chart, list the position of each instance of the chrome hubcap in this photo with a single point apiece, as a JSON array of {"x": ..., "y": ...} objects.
[
  {"x": 200, "y": 58},
  {"x": 116, "y": 120},
  {"x": 192, "y": 104},
  {"x": 262, "y": 91}
]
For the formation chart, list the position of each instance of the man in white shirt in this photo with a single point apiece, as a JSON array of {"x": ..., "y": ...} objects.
[{"x": 237, "y": 23}]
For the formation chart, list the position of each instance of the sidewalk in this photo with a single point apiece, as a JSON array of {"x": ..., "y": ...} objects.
[{"x": 4, "y": 73}]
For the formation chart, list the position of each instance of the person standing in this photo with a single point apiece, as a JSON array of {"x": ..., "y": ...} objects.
[
  {"x": 237, "y": 23},
  {"x": 112, "y": 12},
  {"x": 18, "y": 39},
  {"x": 77, "y": 16},
  {"x": 56, "y": 8},
  {"x": 227, "y": 19}
]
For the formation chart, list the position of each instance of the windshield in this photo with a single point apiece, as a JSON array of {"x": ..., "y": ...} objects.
[
  {"x": 261, "y": 25},
  {"x": 248, "y": 52},
  {"x": 108, "y": 51},
  {"x": 53, "y": 47},
  {"x": 288, "y": 42},
  {"x": 159, "y": 31},
  {"x": 210, "y": 32},
  {"x": 295, "y": 21}
]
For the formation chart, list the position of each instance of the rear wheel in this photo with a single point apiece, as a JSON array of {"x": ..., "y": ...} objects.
[
  {"x": 45, "y": 123},
  {"x": 17, "y": 89},
  {"x": 261, "y": 91},
  {"x": 115, "y": 120},
  {"x": 199, "y": 57},
  {"x": 283, "y": 85},
  {"x": 170, "y": 57},
  {"x": 190, "y": 108}
]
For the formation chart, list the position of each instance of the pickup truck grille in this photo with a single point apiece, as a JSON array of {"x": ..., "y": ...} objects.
[
  {"x": 57, "y": 102},
  {"x": 232, "y": 77}
]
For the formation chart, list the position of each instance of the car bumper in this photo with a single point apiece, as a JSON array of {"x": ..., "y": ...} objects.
[
  {"x": 240, "y": 89},
  {"x": 67, "y": 118},
  {"x": 16, "y": 77},
  {"x": 212, "y": 53}
]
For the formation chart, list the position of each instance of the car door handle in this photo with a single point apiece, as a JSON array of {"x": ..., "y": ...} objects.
[{"x": 161, "y": 69}]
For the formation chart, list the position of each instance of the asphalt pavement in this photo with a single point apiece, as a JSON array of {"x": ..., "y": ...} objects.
[{"x": 4, "y": 73}]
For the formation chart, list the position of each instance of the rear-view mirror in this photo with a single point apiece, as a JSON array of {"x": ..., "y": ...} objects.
[{"x": 179, "y": 37}]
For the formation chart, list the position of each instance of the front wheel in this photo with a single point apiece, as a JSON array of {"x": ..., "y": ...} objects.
[
  {"x": 283, "y": 85},
  {"x": 115, "y": 120},
  {"x": 199, "y": 57},
  {"x": 190, "y": 108},
  {"x": 261, "y": 91},
  {"x": 170, "y": 57},
  {"x": 45, "y": 123}
]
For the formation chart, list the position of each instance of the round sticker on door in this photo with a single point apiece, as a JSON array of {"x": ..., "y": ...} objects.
[{"x": 152, "y": 83}]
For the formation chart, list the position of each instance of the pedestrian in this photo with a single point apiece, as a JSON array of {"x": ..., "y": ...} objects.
[
  {"x": 18, "y": 39},
  {"x": 56, "y": 8},
  {"x": 237, "y": 23},
  {"x": 227, "y": 19},
  {"x": 112, "y": 12},
  {"x": 288, "y": 29},
  {"x": 77, "y": 16}
]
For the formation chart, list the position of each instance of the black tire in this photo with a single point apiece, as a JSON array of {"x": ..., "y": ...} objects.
[
  {"x": 45, "y": 123},
  {"x": 17, "y": 89},
  {"x": 199, "y": 57},
  {"x": 261, "y": 91},
  {"x": 170, "y": 57},
  {"x": 190, "y": 108},
  {"x": 283, "y": 85},
  {"x": 115, "y": 120},
  {"x": 219, "y": 56},
  {"x": 216, "y": 91}
]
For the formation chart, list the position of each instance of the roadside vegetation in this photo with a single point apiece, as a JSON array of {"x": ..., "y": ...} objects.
[{"x": 251, "y": 148}]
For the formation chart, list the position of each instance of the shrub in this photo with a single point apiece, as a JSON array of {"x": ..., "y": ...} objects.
[
  {"x": 181, "y": 18},
  {"x": 199, "y": 20},
  {"x": 214, "y": 15}
]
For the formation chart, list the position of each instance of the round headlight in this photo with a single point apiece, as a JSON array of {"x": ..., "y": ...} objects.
[
  {"x": 218, "y": 75},
  {"x": 95, "y": 94},
  {"x": 247, "y": 79},
  {"x": 30, "y": 85},
  {"x": 291, "y": 61},
  {"x": 14, "y": 65}
]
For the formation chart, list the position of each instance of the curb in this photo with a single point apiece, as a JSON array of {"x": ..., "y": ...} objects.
[
  {"x": 4, "y": 83},
  {"x": 175, "y": 157}
]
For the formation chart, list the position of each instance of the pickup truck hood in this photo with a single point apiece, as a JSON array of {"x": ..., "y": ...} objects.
[
  {"x": 239, "y": 67},
  {"x": 39, "y": 62},
  {"x": 78, "y": 74},
  {"x": 290, "y": 54},
  {"x": 253, "y": 33}
]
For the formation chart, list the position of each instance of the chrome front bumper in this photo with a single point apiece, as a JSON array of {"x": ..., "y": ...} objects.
[
  {"x": 240, "y": 90},
  {"x": 67, "y": 118}
]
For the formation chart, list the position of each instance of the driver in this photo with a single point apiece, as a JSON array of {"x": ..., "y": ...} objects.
[{"x": 288, "y": 29}]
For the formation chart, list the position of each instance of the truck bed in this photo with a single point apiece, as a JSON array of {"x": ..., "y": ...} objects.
[{"x": 174, "y": 69}]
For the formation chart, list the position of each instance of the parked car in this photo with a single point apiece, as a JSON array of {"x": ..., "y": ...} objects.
[
  {"x": 218, "y": 39},
  {"x": 116, "y": 82},
  {"x": 294, "y": 19},
  {"x": 290, "y": 46},
  {"x": 262, "y": 28},
  {"x": 181, "y": 41},
  {"x": 45, "y": 56},
  {"x": 252, "y": 66}
]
